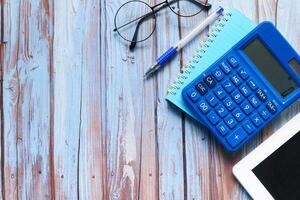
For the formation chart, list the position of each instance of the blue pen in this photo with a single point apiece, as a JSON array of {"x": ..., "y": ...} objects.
[{"x": 168, "y": 55}]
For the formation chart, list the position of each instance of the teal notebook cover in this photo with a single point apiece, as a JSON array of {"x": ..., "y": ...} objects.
[{"x": 226, "y": 32}]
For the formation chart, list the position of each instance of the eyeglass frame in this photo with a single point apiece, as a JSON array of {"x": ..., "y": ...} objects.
[{"x": 206, "y": 6}]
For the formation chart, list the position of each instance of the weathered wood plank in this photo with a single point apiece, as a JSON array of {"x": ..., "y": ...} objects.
[
  {"x": 1, "y": 101},
  {"x": 149, "y": 160},
  {"x": 10, "y": 93},
  {"x": 1, "y": 21},
  {"x": 91, "y": 156},
  {"x": 103, "y": 77},
  {"x": 4, "y": 23},
  {"x": 26, "y": 99},
  {"x": 69, "y": 27},
  {"x": 288, "y": 21},
  {"x": 266, "y": 10},
  {"x": 125, "y": 110},
  {"x": 169, "y": 121}
]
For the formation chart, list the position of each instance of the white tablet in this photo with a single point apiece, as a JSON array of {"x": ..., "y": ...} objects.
[{"x": 272, "y": 170}]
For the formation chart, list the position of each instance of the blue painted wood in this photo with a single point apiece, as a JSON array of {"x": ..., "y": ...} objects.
[
  {"x": 79, "y": 122},
  {"x": 169, "y": 125},
  {"x": 26, "y": 100}
]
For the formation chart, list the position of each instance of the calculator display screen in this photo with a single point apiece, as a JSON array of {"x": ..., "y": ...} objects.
[
  {"x": 269, "y": 66},
  {"x": 280, "y": 172}
]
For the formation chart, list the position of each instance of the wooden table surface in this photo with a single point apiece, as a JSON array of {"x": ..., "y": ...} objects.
[{"x": 79, "y": 122}]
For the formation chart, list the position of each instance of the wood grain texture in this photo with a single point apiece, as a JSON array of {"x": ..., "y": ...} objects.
[
  {"x": 1, "y": 100},
  {"x": 26, "y": 94},
  {"x": 123, "y": 111},
  {"x": 91, "y": 154},
  {"x": 169, "y": 123},
  {"x": 79, "y": 122}
]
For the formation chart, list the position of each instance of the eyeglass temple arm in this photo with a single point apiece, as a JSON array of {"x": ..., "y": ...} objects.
[
  {"x": 207, "y": 7},
  {"x": 135, "y": 35},
  {"x": 144, "y": 18}
]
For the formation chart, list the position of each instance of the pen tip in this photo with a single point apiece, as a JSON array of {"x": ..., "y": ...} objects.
[{"x": 151, "y": 70}]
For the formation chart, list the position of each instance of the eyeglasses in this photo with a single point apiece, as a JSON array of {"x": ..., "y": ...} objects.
[{"x": 135, "y": 21}]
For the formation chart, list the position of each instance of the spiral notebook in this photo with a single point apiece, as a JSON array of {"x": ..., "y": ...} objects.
[{"x": 226, "y": 32}]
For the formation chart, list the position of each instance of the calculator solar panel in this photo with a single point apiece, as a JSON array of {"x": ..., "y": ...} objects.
[{"x": 233, "y": 100}]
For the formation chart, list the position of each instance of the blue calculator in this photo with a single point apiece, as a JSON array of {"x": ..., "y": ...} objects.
[{"x": 247, "y": 87}]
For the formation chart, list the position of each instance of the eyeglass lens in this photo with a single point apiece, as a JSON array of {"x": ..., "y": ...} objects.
[{"x": 133, "y": 15}]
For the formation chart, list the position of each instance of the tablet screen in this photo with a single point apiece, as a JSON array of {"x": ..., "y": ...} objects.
[{"x": 280, "y": 172}]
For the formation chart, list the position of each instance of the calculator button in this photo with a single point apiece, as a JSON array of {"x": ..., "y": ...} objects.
[
  {"x": 221, "y": 110},
  {"x": 230, "y": 121},
  {"x": 233, "y": 61},
  {"x": 264, "y": 113},
  {"x": 249, "y": 127},
  {"x": 246, "y": 107},
  {"x": 271, "y": 107},
  {"x": 212, "y": 99},
  {"x": 210, "y": 81},
  {"x": 228, "y": 85},
  {"x": 238, "y": 114},
  {"x": 236, "y": 137},
  {"x": 225, "y": 67},
  {"x": 261, "y": 95},
  {"x": 222, "y": 128},
  {"x": 236, "y": 80},
  {"x": 201, "y": 88},
  {"x": 245, "y": 90},
  {"x": 254, "y": 101},
  {"x": 204, "y": 107},
  {"x": 219, "y": 91},
  {"x": 237, "y": 96},
  {"x": 218, "y": 74},
  {"x": 256, "y": 119},
  {"x": 213, "y": 117},
  {"x": 243, "y": 73},
  {"x": 193, "y": 94},
  {"x": 229, "y": 103},
  {"x": 252, "y": 84}
]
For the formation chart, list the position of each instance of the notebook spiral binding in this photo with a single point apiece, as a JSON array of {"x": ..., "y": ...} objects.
[{"x": 204, "y": 45}]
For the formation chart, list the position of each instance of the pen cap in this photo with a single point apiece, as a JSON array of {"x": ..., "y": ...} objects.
[{"x": 219, "y": 10}]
